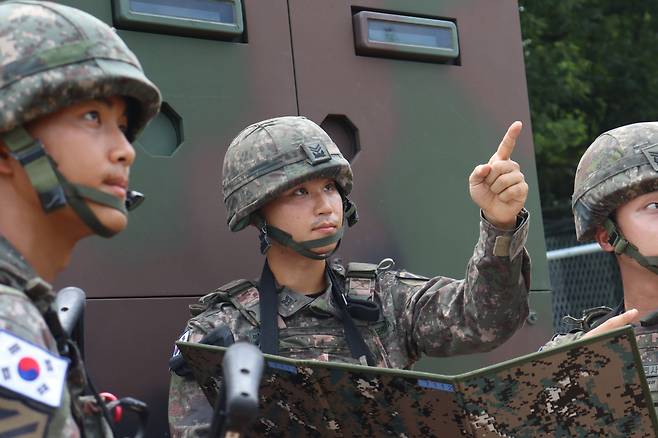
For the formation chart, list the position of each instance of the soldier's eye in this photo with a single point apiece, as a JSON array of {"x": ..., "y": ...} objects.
[
  {"x": 300, "y": 191},
  {"x": 92, "y": 116},
  {"x": 330, "y": 187},
  {"x": 652, "y": 206}
]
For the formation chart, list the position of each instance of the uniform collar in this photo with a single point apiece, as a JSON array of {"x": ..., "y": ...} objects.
[{"x": 291, "y": 302}]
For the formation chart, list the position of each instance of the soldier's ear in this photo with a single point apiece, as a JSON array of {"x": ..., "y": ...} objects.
[
  {"x": 602, "y": 237},
  {"x": 5, "y": 160}
]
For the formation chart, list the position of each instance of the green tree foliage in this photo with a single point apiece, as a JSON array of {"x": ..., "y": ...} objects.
[{"x": 591, "y": 65}]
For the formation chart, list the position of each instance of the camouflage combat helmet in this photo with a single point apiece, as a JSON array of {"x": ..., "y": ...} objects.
[
  {"x": 272, "y": 156},
  {"x": 619, "y": 166},
  {"x": 53, "y": 56}
]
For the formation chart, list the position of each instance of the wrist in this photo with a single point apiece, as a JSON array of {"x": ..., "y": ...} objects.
[{"x": 505, "y": 225}]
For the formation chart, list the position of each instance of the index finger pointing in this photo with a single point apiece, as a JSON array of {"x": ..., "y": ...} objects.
[{"x": 506, "y": 146}]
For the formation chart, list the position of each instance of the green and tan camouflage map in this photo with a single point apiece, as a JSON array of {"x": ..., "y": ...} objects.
[{"x": 589, "y": 388}]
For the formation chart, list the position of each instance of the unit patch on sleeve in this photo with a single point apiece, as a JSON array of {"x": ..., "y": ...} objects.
[
  {"x": 21, "y": 421},
  {"x": 30, "y": 371}
]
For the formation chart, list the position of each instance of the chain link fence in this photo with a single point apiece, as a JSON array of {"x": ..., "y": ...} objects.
[{"x": 579, "y": 281}]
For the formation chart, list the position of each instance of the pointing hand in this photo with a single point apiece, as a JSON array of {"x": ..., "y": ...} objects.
[{"x": 498, "y": 187}]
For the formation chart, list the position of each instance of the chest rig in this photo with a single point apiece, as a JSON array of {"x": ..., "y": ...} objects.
[
  {"x": 360, "y": 294},
  {"x": 353, "y": 294}
]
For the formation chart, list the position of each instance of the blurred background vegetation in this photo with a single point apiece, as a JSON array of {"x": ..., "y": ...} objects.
[{"x": 591, "y": 65}]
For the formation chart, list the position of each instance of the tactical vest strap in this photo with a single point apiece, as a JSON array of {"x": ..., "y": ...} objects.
[
  {"x": 590, "y": 318},
  {"x": 361, "y": 270},
  {"x": 236, "y": 300},
  {"x": 268, "y": 340},
  {"x": 361, "y": 282},
  {"x": 228, "y": 293},
  {"x": 225, "y": 292}
]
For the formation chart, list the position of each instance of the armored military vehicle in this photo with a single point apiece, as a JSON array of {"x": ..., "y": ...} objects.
[{"x": 414, "y": 92}]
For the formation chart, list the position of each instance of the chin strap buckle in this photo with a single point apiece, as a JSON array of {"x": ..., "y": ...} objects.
[
  {"x": 40, "y": 168},
  {"x": 617, "y": 241},
  {"x": 265, "y": 242}
]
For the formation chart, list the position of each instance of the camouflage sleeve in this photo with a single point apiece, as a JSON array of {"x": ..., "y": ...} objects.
[
  {"x": 190, "y": 413},
  {"x": 445, "y": 317},
  {"x": 562, "y": 339},
  {"x": 21, "y": 318}
]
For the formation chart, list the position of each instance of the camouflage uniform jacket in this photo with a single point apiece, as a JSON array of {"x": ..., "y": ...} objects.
[
  {"x": 23, "y": 299},
  {"x": 438, "y": 316}
]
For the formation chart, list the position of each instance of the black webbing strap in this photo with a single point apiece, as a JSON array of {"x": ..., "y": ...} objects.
[
  {"x": 269, "y": 330},
  {"x": 269, "y": 305},
  {"x": 69, "y": 349}
]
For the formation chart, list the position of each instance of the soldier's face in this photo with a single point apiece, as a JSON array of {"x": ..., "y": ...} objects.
[
  {"x": 638, "y": 221},
  {"x": 308, "y": 211},
  {"x": 87, "y": 141}
]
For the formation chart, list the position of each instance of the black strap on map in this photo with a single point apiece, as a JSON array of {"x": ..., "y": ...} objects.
[{"x": 269, "y": 330}]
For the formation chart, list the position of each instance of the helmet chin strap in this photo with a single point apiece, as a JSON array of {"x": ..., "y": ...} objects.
[
  {"x": 269, "y": 232},
  {"x": 54, "y": 190},
  {"x": 623, "y": 246}
]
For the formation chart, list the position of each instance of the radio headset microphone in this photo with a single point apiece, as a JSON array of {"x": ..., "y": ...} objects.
[{"x": 220, "y": 336}]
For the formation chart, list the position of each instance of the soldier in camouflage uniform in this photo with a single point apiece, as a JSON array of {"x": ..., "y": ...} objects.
[
  {"x": 286, "y": 177},
  {"x": 72, "y": 97},
  {"x": 615, "y": 202}
]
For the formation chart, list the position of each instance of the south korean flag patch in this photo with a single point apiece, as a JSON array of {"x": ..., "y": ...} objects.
[
  {"x": 185, "y": 337},
  {"x": 31, "y": 371}
]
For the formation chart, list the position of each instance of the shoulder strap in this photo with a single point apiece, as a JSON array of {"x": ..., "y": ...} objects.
[
  {"x": 590, "y": 318},
  {"x": 360, "y": 285},
  {"x": 243, "y": 294},
  {"x": 223, "y": 293},
  {"x": 360, "y": 280},
  {"x": 363, "y": 270}
]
